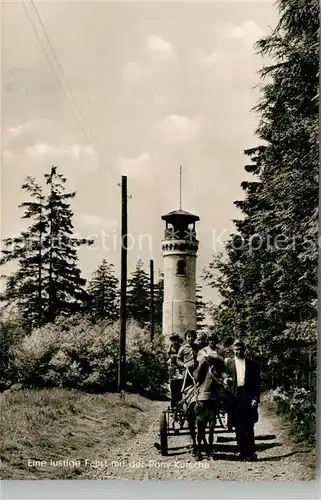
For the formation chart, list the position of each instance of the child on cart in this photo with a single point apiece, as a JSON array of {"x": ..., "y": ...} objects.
[
  {"x": 187, "y": 358},
  {"x": 175, "y": 377}
]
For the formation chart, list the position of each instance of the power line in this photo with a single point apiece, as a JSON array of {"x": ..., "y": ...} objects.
[
  {"x": 67, "y": 84},
  {"x": 81, "y": 121}
]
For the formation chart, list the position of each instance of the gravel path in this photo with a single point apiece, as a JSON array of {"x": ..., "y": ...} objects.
[{"x": 139, "y": 459}]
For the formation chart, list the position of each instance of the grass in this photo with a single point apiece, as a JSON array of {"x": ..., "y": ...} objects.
[
  {"x": 57, "y": 424},
  {"x": 286, "y": 430}
]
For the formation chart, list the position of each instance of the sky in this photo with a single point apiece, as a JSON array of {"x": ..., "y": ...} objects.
[{"x": 145, "y": 87}]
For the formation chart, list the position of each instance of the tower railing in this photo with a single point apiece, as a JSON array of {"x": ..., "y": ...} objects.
[{"x": 180, "y": 234}]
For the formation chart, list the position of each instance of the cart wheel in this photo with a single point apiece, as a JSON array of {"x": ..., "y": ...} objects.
[
  {"x": 221, "y": 420},
  {"x": 163, "y": 434},
  {"x": 226, "y": 421}
]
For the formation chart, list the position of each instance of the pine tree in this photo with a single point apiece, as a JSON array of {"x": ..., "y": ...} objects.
[
  {"x": 24, "y": 288},
  {"x": 138, "y": 299},
  {"x": 47, "y": 281},
  {"x": 64, "y": 286},
  {"x": 266, "y": 284},
  {"x": 289, "y": 126},
  {"x": 103, "y": 293}
]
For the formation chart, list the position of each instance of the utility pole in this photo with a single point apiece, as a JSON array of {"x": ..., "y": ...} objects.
[
  {"x": 180, "y": 186},
  {"x": 152, "y": 327},
  {"x": 123, "y": 287}
]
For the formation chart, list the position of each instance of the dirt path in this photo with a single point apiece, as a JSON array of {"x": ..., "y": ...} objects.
[{"x": 139, "y": 459}]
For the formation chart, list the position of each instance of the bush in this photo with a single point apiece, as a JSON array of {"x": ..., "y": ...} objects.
[
  {"x": 299, "y": 405},
  {"x": 75, "y": 353},
  {"x": 10, "y": 334},
  {"x": 33, "y": 354},
  {"x": 146, "y": 365}
]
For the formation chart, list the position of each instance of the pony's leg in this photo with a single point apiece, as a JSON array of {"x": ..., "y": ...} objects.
[
  {"x": 204, "y": 433},
  {"x": 201, "y": 437},
  {"x": 191, "y": 421},
  {"x": 212, "y": 423},
  {"x": 211, "y": 438}
]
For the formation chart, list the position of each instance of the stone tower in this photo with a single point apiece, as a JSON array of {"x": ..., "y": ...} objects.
[{"x": 179, "y": 248}]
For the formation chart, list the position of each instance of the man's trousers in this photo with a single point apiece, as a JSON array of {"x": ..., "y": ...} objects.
[{"x": 244, "y": 424}]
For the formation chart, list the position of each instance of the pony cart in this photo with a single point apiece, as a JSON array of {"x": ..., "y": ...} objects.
[{"x": 175, "y": 420}]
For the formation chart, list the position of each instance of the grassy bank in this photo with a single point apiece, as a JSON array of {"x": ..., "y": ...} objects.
[
  {"x": 289, "y": 431},
  {"x": 53, "y": 425},
  {"x": 298, "y": 407}
]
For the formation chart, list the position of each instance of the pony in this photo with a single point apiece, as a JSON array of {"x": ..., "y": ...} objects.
[{"x": 203, "y": 400}]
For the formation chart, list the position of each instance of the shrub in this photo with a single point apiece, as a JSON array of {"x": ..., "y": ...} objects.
[
  {"x": 299, "y": 405},
  {"x": 33, "y": 354},
  {"x": 146, "y": 366},
  {"x": 77, "y": 354},
  {"x": 10, "y": 334}
]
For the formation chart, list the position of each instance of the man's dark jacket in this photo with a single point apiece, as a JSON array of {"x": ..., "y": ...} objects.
[{"x": 252, "y": 381}]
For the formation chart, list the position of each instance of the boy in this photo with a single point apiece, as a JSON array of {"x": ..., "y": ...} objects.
[
  {"x": 187, "y": 357},
  {"x": 187, "y": 354}
]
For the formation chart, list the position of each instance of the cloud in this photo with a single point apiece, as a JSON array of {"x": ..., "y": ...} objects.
[
  {"x": 31, "y": 127},
  {"x": 44, "y": 149},
  {"x": 74, "y": 151},
  {"x": 176, "y": 129},
  {"x": 16, "y": 130},
  {"x": 136, "y": 168},
  {"x": 210, "y": 60},
  {"x": 132, "y": 73},
  {"x": 161, "y": 48},
  {"x": 73, "y": 157},
  {"x": 248, "y": 31},
  {"x": 41, "y": 142},
  {"x": 149, "y": 67},
  {"x": 234, "y": 47}
]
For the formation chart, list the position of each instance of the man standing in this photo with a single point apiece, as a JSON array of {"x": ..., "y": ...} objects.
[{"x": 245, "y": 374}]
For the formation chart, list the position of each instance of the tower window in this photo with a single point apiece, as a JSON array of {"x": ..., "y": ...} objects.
[{"x": 181, "y": 267}]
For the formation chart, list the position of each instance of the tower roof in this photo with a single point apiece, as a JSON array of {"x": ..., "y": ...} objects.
[{"x": 177, "y": 215}]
